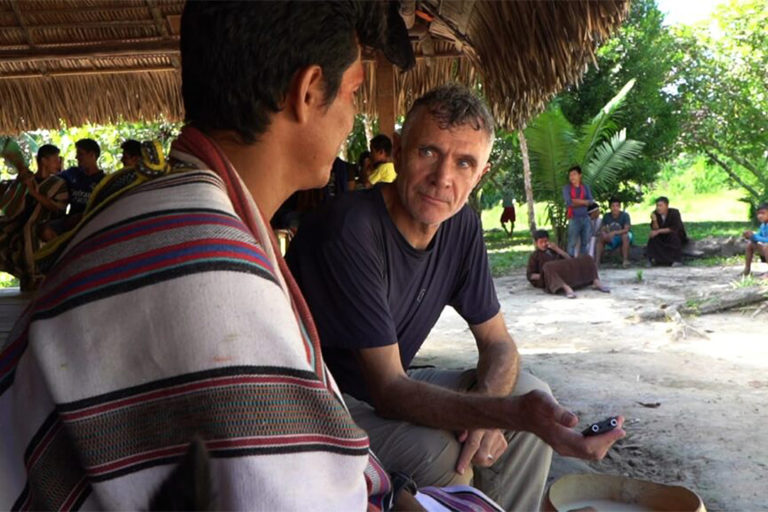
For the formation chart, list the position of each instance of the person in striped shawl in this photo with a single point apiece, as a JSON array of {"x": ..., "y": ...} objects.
[{"x": 169, "y": 316}]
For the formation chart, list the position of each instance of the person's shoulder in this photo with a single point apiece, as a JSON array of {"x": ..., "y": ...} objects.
[
  {"x": 70, "y": 172},
  {"x": 351, "y": 215}
]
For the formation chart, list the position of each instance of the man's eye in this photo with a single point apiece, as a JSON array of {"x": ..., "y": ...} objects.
[{"x": 426, "y": 152}]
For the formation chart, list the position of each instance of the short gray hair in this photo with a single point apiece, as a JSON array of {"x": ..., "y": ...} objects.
[{"x": 453, "y": 105}]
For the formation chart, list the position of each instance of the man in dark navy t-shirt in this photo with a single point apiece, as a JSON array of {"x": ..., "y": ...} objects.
[{"x": 377, "y": 268}]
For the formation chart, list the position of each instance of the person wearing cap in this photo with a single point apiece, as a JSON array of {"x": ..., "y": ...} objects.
[
  {"x": 553, "y": 269},
  {"x": 595, "y": 223}
]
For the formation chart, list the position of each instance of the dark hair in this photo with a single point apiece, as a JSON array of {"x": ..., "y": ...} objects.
[
  {"x": 453, "y": 105},
  {"x": 663, "y": 199},
  {"x": 362, "y": 156},
  {"x": 540, "y": 233},
  {"x": 592, "y": 207},
  {"x": 45, "y": 151},
  {"x": 382, "y": 143},
  {"x": 576, "y": 168},
  {"x": 614, "y": 200},
  {"x": 238, "y": 58},
  {"x": 131, "y": 147},
  {"x": 763, "y": 206},
  {"x": 89, "y": 145}
]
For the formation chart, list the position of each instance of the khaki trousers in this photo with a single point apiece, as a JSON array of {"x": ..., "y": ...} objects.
[{"x": 516, "y": 481}]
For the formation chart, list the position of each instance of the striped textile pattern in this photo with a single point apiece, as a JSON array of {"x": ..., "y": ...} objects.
[{"x": 98, "y": 435}]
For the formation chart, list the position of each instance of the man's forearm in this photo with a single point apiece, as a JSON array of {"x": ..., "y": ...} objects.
[
  {"x": 497, "y": 369},
  {"x": 433, "y": 406}
]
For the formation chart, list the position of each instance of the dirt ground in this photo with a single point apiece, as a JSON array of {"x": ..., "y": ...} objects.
[{"x": 709, "y": 430}]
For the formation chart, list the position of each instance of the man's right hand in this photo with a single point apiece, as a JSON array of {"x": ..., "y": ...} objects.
[
  {"x": 747, "y": 234},
  {"x": 543, "y": 416}
]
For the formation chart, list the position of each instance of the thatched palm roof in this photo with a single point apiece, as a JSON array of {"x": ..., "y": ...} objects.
[{"x": 97, "y": 60}]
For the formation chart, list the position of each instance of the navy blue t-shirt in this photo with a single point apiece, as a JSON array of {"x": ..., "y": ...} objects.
[
  {"x": 80, "y": 186},
  {"x": 368, "y": 287}
]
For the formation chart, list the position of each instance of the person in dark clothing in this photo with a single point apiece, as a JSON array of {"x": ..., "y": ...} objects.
[
  {"x": 667, "y": 237},
  {"x": 553, "y": 269},
  {"x": 81, "y": 180},
  {"x": 377, "y": 269}
]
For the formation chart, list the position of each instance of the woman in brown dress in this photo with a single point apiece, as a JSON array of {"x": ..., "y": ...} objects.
[{"x": 553, "y": 269}]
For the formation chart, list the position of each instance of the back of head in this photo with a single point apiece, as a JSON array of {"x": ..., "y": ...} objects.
[
  {"x": 131, "y": 147},
  {"x": 453, "y": 105},
  {"x": 89, "y": 145},
  {"x": 381, "y": 143},
  {"x": 45, "y": 151},
  {"x": 239, "y": 57}
]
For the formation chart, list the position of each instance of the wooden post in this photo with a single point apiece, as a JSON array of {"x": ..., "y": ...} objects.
[
  {"x": 527, "y": 179},
  {"x": 385, "y": 95}
]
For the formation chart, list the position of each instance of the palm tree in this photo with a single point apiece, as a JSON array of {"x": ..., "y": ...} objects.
[{"x": 599, "y": 147}]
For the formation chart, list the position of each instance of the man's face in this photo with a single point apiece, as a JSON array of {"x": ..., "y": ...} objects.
[
  {"x": 50, "y": 164},
  {"x": 575, "y": 178},
  {"x": 333, "y": 124},
  {"x": 762, "y": 216},
  {"x": 85, "y": 158},
  {"x": 129, "y": 160},
  {"x": 661, "y": 208},
  {"x": 438, "y": 168},
  {"x": 541, "y": 243},
  {"x": 615, "y": 209}
]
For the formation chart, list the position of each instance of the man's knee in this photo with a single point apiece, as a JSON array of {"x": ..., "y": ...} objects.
[
  {"x": 527, "y": 383},
  {"x": 437, "y": 455}
]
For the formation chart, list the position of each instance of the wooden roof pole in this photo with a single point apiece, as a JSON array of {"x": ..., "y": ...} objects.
[{"x": 385, "y": 95}]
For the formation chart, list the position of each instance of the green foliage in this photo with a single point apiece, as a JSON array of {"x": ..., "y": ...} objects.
[
  {"x": 723, "y": 82},
  {"x": 639, "y": 275},
  {"x": 109, "y": 138},
  {"x": 749, "y": 281},
  {"x": 602, "y": 152},
  {"x": 645, "y": 50}
]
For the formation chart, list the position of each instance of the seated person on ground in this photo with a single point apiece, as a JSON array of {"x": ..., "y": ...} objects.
[
  {"x": 377, "y": 269},
  {"x": 131, "y": 153},
  {"x": 615, "y": 232},
  {"x": 553, "y": 269},
  {"x": 595, "y": 222},
  {"x": 667, "y": 237},
  {"x": 33, "y": 200},
  {"x": 81, "y": 180},
  {"x": 382, "y": 167},
  {"x": 757, "y": 240}
]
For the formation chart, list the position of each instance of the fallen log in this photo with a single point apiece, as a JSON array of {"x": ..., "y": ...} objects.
[{"x": 712, "y": 303}]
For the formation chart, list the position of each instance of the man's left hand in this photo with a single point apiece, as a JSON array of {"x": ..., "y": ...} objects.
[{"x": 482, "y": 447}]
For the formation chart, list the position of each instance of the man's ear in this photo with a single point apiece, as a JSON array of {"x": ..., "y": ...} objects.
[
  {"x": 306, "y": 93},
  {"x": 483, "y": 172}
]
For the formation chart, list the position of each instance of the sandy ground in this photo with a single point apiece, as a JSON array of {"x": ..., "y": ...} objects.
[{"x": 709, "y": 432}]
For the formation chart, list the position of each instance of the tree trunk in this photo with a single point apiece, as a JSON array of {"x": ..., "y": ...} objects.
[{"x": 527, "y": 180}]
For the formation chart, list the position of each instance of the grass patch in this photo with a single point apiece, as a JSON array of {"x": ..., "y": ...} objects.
[{"x": 508, "y": 253}]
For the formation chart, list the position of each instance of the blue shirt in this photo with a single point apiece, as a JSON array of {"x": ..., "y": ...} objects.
[
  {"x": 80, "y": 186},
  {"x": 762, "y": 234}
]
